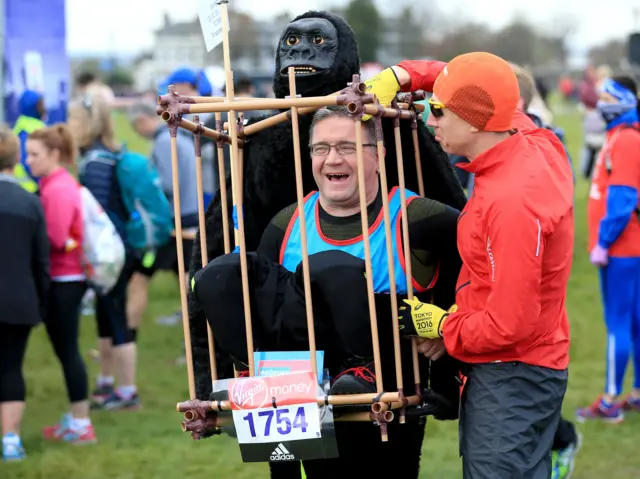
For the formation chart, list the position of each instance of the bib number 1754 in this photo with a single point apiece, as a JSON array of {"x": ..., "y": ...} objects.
[{"x": 293, "y": 423}]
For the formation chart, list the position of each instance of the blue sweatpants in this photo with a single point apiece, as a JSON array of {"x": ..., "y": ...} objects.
[{"x": 620, "y": 286}]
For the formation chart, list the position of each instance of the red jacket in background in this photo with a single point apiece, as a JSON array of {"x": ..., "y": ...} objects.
[
  {"x": 621, "y": 149},
  {"x": 61, "y": 200},
  {"x": 515, "y": 237}
]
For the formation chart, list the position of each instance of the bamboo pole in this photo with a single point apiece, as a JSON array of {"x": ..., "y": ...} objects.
[
  {"x": 406, "y": 247},
  {"x": 392, "y": 277},
  {"x": 303, "y": 227},
  {"x": 236, "y": 185},
  {"x": 173, "y": 129},
  {"x": 416, "y": 152},
  {"x": 282, "y": 117},
  {"x": 198, "y": 426},
  {"x": 334, "y": 400},
  {"x": 220, "y": 99},
  {"x": 388, "y": 112},
  {"x": 222, "y": 179},
  {"x": 184, "y": 234},
  {"x": 266, "y": 104},
  {"x": 167, "y": 116},
  {"x": 364, "y": 215},
  {"x": 203, "y": 238}
]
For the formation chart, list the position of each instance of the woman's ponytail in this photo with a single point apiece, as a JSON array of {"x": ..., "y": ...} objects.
[{"x": 67, "y": 144}]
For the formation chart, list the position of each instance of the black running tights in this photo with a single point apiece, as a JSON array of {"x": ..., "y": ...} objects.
[
  {"x": 63, "y": 327},
  {"x": 13, "y": 344}
]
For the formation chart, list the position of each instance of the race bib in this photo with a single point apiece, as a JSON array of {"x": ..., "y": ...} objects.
[{"x": 295, "y": 417}]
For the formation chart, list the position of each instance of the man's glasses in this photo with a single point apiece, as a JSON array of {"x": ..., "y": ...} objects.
[
  {"x": 436, "y": 108},
  {"x": 344, "y": 148}
]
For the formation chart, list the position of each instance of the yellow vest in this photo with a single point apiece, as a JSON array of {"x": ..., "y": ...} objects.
[
  {"x": 23, "y": 179},
  {"x": 26, "y": 124}
]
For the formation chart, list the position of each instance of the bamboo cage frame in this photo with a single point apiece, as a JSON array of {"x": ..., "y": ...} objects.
[{"x": 201, "y": 417}]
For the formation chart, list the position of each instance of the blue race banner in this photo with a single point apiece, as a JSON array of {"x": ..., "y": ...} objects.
[{"x": 35, "y": 56}]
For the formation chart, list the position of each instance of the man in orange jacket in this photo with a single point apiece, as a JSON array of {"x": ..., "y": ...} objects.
[{"x": 515, "y": 237}]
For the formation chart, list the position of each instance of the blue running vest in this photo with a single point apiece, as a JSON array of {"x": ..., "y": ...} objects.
[{"x": 291, "y": 252}]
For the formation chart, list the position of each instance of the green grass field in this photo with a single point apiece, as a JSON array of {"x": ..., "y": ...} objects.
[{"x": 149, "y": 444}]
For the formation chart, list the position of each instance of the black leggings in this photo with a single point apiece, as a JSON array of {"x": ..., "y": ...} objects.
[
  {"x": 63, "y": 327},
  {"x": 278, "y": 305},
  {"x": 111, "y": 310},
  {"x": 13, "y": 344}
]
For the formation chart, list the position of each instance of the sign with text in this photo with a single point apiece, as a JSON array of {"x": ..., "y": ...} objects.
[
  {"x": 210, "y": 14},
  {"x": 277, "y": 418}
]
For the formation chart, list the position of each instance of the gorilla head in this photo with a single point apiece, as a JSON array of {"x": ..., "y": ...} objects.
[{"x": 322, "y": 48}]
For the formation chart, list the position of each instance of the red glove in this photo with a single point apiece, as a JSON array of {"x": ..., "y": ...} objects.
[{"x": 423, "y": 74}]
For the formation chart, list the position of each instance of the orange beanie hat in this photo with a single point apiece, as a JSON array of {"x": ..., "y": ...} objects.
[{"x": 480, "y": 88}]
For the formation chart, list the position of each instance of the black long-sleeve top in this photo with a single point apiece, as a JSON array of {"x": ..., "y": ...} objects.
[{"x": 24, "y": 255}]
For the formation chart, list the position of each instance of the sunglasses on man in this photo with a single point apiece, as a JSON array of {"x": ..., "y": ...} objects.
[{"x": 436, "y": 108}]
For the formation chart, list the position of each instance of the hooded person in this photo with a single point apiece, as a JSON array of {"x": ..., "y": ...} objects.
[
  {"x": 614, "y": 229},
  {"x": 32, "y": 113}
]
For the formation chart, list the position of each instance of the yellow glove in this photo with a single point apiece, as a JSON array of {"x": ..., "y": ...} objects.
[
  {"x": 422, "y": 319},
  {"x": 384, "y": 86}
]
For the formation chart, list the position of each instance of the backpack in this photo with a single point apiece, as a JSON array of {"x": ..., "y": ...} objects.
[
  {"x": 150, "y": 220},
  {"x": 103, "y": 250}
]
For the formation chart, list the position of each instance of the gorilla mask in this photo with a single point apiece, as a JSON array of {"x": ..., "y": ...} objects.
[
  {"x": 309, "y": 45},
  {"x": 322, "y": 49}
]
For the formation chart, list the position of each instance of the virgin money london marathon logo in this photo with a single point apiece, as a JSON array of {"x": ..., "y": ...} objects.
[{"x": 249, "y": 393}]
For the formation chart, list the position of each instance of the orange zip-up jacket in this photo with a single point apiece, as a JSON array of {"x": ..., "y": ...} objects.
[{"x": 515, "y": 237}]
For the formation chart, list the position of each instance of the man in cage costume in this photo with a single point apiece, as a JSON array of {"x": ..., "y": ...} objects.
[
  {"x": 323, "y": 49},
  {"x": 339, "y": 291}
]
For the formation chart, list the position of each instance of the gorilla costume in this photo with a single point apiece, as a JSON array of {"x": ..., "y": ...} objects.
[{"x": 269, "y": 186}]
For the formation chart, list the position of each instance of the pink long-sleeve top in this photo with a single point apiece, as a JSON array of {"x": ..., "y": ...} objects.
[{"x": 61, "y": 200}]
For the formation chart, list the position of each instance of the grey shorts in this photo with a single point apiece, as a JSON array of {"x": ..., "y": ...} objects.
[{"x": 508, "y": 419}]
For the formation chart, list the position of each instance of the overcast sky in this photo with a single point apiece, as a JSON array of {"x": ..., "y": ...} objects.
[{"x": 116, "y": 26}]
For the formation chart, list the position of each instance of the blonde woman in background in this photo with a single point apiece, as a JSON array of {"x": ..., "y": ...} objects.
[{"x": 91, "y": 122}]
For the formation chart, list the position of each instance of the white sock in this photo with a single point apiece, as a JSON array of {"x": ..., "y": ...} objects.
[
  {"x": 80, "y": 424},
  {"x": 11, "y": 439},
  {"x": 126, "y": 392},
  {"x": 105, "y": 380}
]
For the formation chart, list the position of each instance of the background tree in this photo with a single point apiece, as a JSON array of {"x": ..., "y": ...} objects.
[
  {"x": 516, "y": 42},
  {"x": 410, "y": 27},
  {"x": 611, "y": 53},
  {"x": 458, "y": 39},
  {"x": 366, "y": 23}
]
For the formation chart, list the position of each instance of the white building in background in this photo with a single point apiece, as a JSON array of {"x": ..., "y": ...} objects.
[{"x": 181, "y": 44}]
